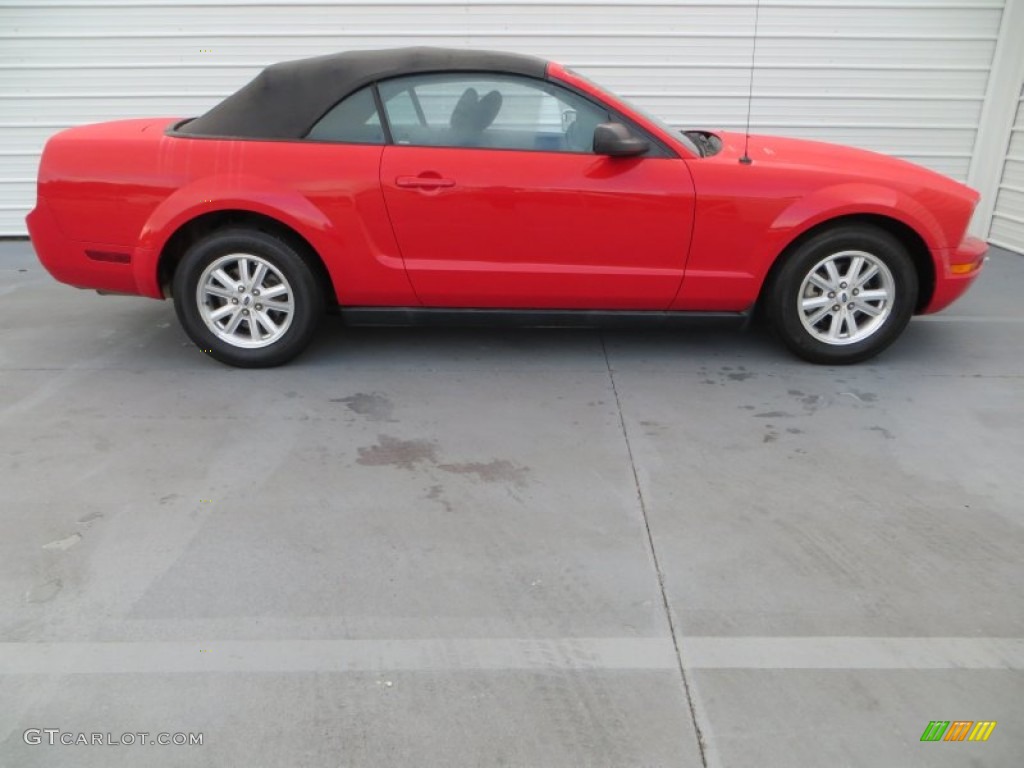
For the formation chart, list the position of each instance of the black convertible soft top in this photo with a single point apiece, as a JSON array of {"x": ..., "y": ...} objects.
[{"x": 286, "y": 99}]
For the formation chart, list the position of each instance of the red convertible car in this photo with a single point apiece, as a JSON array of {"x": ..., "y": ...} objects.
[{"x": 415, "y": 185}]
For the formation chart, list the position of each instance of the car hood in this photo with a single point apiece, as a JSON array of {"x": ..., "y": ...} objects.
[{"x": 803, "y": 155}]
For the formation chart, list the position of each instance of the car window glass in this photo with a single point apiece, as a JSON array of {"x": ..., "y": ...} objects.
[
  {"x": 402, "y": 109},
  {"x": 353, "y": 120},
  {"x": 489, "y": 111}
]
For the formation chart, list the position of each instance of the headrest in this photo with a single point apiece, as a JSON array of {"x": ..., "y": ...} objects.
[
  {"x": 488, "y": 109},
  {"x": 464, "y": 114}
]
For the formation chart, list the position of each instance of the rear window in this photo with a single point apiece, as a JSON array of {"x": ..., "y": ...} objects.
[{"x": 353, "y": 120}]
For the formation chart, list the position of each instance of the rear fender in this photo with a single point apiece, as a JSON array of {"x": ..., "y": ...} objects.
[{"x": 221, "y": 193}]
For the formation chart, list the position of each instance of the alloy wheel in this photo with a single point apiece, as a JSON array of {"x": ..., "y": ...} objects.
[
  {"x": 245, "y": 300},
  {"x": 846, "y": 297}
]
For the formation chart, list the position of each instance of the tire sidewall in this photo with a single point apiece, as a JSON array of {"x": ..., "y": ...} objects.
[
  {"x": 786, "y": 284},
  {"x": 308, "y": 298}
]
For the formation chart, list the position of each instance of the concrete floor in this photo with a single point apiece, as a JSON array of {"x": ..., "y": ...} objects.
[{"x": 535, "y": 548}]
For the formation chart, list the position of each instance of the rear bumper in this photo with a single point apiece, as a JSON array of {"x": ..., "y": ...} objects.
[
  {"x": 955, "y": 270},
  {"x": 83, "y": 265}
]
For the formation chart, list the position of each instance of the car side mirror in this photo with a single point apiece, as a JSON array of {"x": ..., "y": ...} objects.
[{"x": 615, "y": 140}]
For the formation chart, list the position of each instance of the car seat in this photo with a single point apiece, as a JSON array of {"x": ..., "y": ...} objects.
[{"x": 472, "y": 115}]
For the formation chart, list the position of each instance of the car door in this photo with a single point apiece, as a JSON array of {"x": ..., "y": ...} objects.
[{"x": 497, "y": 199}]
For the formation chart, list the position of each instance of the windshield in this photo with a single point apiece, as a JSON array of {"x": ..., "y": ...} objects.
[{"x": 676, "y": 133}]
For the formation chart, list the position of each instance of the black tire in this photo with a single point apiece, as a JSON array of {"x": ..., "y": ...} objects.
[
  {"x": 790, "y": 286},
  {"x": 287, "y": 275}
]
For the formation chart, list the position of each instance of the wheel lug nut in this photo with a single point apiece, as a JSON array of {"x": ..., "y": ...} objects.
[
  {"x": 842, "y": 285},
  {"x": 855, "y": 291},
  {"x": 850, "y": 305},
  {"x": 241, "y": 289},
  {"x": 835, "y": 308},
  {"x": 234, "y": 301},
  {"x": 831, "y": 294},
  {"x": 259, "y": 306},
  {"x": 245, "y": 311},
  {"x": 256, "y": 292}
]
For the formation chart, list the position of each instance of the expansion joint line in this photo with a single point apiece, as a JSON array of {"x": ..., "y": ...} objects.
[{"x": 654, "y": 556}]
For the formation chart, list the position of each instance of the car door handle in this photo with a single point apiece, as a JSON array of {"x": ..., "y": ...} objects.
[{"x": 423, "y": 182}]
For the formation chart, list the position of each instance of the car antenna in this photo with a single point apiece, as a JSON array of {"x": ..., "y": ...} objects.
[{"x": 745, "y": 160}]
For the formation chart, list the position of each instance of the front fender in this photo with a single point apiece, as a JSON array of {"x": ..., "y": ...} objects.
[
  {"x": 738, "y": 239},
  {"x": 853, "y": 199}
]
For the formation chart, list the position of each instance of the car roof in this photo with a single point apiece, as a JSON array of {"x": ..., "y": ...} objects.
[{"x": 285, "y": 100}]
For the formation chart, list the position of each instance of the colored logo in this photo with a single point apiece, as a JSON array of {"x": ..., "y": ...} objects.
[{"x": 958, "y": 730}]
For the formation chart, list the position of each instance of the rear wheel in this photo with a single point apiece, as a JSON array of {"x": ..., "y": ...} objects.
[
  {"x": 247, "y": 298},
  {"x": 844, "y": 295}
]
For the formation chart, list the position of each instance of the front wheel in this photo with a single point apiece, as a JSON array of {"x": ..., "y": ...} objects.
[
  {"x": 247, "y": 298},
  {"x": 844, "y": 295}
]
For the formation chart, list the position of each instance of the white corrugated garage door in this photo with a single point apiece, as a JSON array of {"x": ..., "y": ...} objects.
[
  {"x": 1008, "y": 216},
  {"x": 905, "y": 77}
]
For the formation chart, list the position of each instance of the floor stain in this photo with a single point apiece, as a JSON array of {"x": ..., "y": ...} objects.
[
  {"x": 91, "y": 517},
  {"x": 373, "y": 405},
  {"x": 404, "y": 454},
  {"x": 653, "y": 428},
  {"x": 45, "y": 592},
  {"x": 809, "y": 402},
  {"x": 773, "y": 415},
  {"x": 739, "y": 374},
  {"x": 436, "y": 493},
  {"x": 407, "y": 454},
  {"x": 496, "y": 471},
  {"x": 64, "y": 544},
  {"x": 863, "y": 397},
  {"x": 883, "y": 432}
]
